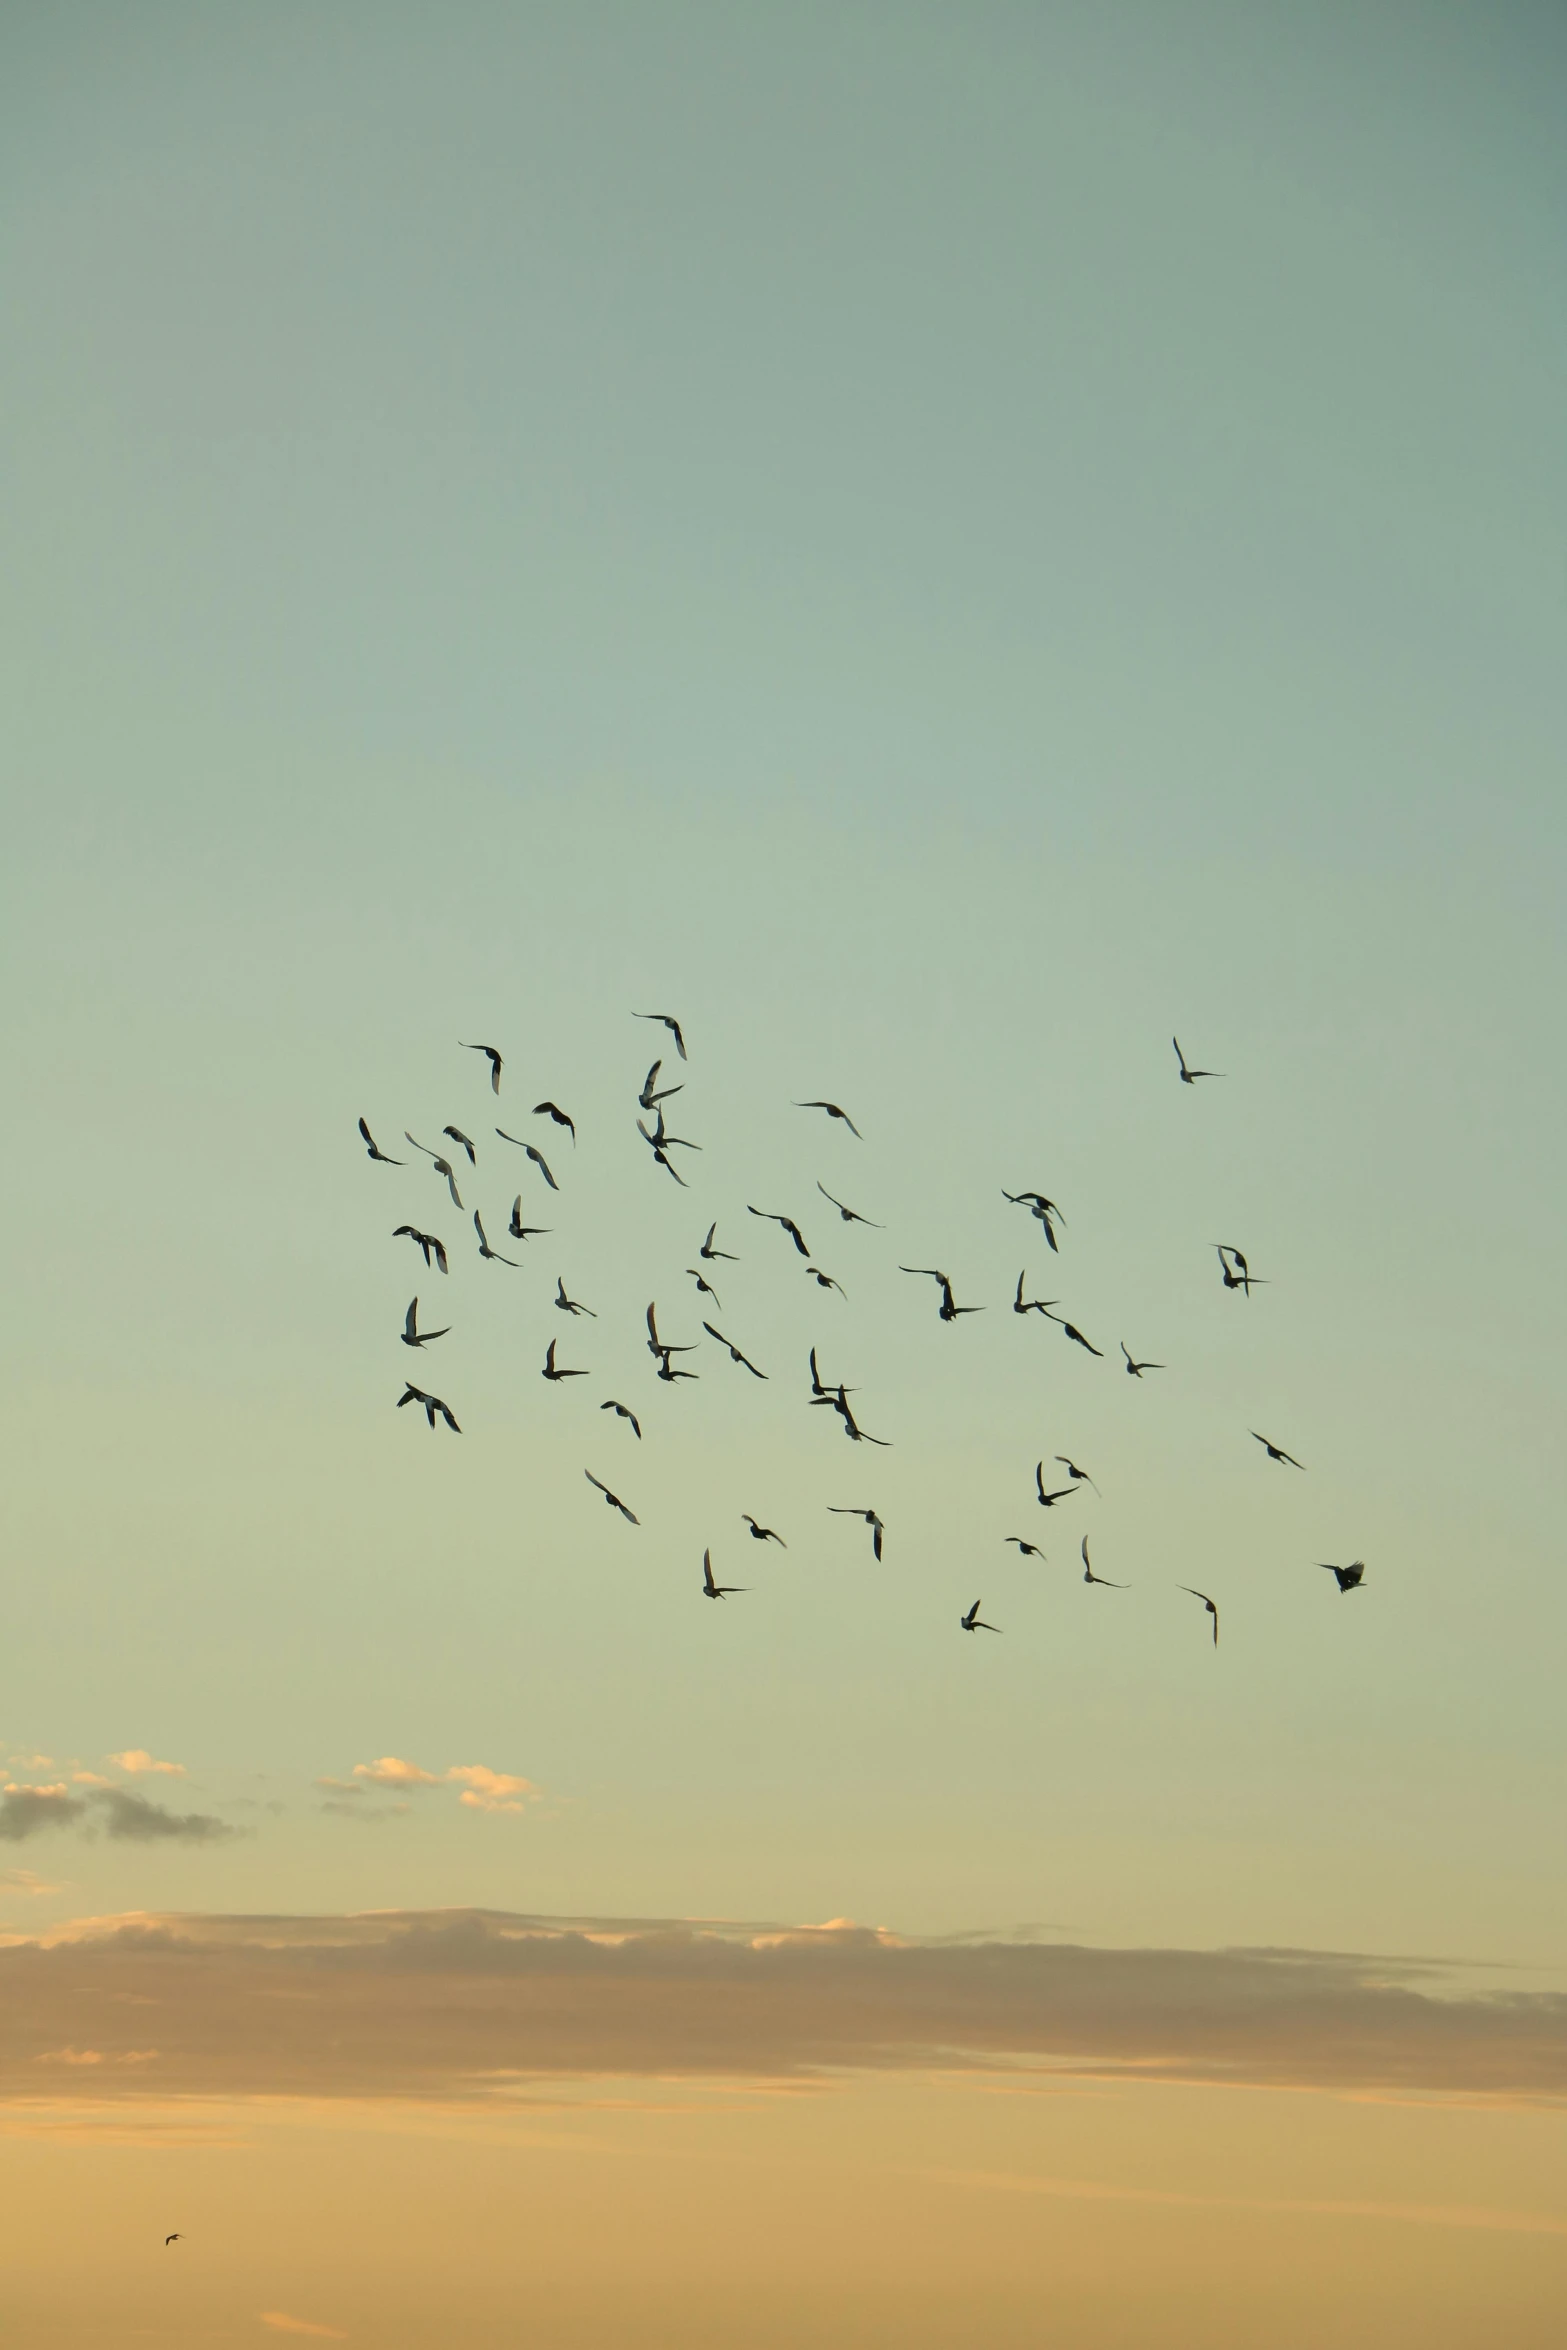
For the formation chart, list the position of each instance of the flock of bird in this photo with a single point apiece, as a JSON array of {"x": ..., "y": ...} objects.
[{"x": 825, "y": 1394}]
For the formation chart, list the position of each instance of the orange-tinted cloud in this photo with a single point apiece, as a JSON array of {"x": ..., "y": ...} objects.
[
  {"x": 482, "y": 1788},
  {"x": 137, "y": 1760}
]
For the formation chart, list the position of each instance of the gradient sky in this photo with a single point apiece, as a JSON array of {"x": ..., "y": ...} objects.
[{"x": 942, "y": 545}]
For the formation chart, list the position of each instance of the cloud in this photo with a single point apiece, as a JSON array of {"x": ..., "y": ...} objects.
[
  {"x": 390, "y": 1771},
  {"x": 27, "y": 1811},
  {"x": 482, "y": 1788},
  {"x": 486, "y": 1790},
  {"x": 281, "y": 2323},
  {"x": 125, "y": 1818},
  {"x": 471, "y": 2005},
  {"x": 137, "y": 1760}
]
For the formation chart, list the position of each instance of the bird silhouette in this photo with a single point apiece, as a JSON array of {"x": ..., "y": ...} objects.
[
  {"x": 705, "y": 1287},
  {"x": 553, "y": 1110},
  {"x": 710, "y": 1255},
  {"x": 1077, "y": 1475},
  {"x": 648, "y": 1099},
  {"x": 1090, "y": 1577},
  {"x": 871, "y": 1520},
  {"x": 1071, "y": 1329},
  {"x": 1348, "y": 1578},
  {"x": 826, "y": 1281},
  {"x": 432, "y": 1249},
  {"x": 537, "y": 1156},
  {"x": 442, "y": 1167},
  {"x": 456, "y": 1134},
  {"x": 656, "y": 1346},
  {"x": 949, "y": 1309},
  {"x": 1030, "y": 1550},
  {"x": 412, "y": 1334},
  {"x": 1047, "y": 1501},
  {"x": 1134, "y": 1369},
  {"x": 570, "y": 1305},
  {"x": 975, "y": 1622},
  {"x": 491, "y": 1256},
  {"x": 833, "y": 1111},
  {"x": 1040, "y": 1208},
  {"x": 1190, "y": 1076},
  {"x": 849, "y": 1215},
  {"x": 1208, "y": 1604},
  {"x": 432, "y": 1404},
  {"x": 735, "y": 1356},
  {"x": 176, "y": 2238},
  {"x": 521, "y": 1231},
  {"x": 788, "y": 1223},
  {"x": 550, "y": 1371},
  {"x": 494, "y": 1059},
  {"x": 1240, "y": 1275},
  {"x": 762, "y": 1533},
  {"x": 623, "y": 1412},
  {"x": 666, "y": 1020},
  {"x": 1276, "y": 1452},
  {"x": 712, "y": 1590},
  {"x": 374, "y": 1148},
  {"x": 613, "y": 1499}
]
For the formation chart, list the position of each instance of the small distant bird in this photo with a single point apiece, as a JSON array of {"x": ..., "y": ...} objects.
[
  {"x": 176, "y": 2238},
  {"x": 826, "y": 1281},
  {"x": 851, "y": 1426},
  {"x": 1276, "y": 1452},
  {"x": 442, "y": 1167},
  {"x": 647, "y": 1099},
  {"x": 570, "y": 1305},
  {"x": 712, "y": 1590},
  {"x": 788, "y": 1223},
  {"x": 819, "y": 1392},
  {"x": 833, "y": 1111},
  {"x": 554, "y": 1110},
  {"x": 1030, "y": 1550},
  {"x": 662, "y": 1143},
  {"x": 1208, "y": 1604},
  {"x": 735, "y": 1356},
  {"x": 1020, "y": 1305},
  {"x": 624, "y": 1412},
  {"x": 710, "y": 1255},
  {"x": 667, "y": 1372},
  {"x": 871, "y": 1520},
  {"x": 1071, "y": 1329},
  {"x": 849, "y": 1215},
  {"x": 975, "y": 1622},
  {"x": 490, "y": 1255},
  {"x": 1190, "y": 1076},
  {"x": 666, "y": 1020},
  {"x": 426, "y": 1241},
  {"x": 376, "y": 1152},
  {"x": 613, "y": 1499},
  {"x": 1039, "y": 1207},
  {"x": 494, "y": 1059},
  {"x": 1134, "y": 1369},
  {"x": 705, "y": 1288},
  {"x": 521, "y": 1231},
  {"x": 656, "y": 1346},
  {"x": 457, "y": 1135},
  {"x": 432, "y": 1404},
  {"x": 550, "y": 1372},
  {"x": 1077, "y": 1475},
  {"x": 1348, "y": 1578},
  {"x": 1090, "y": 1577},
  {"x": 1240, "y": 1275},
  {"x": 762, "y": 1533},
  {"x": 536, "y": 1156},
  {"x": 412, "y": 1334},
  {"x": 1047, "y": 1501},
  {"x": 949, "y": 1309}
]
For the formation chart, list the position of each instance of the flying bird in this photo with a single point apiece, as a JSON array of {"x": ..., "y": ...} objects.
[
  {"x": 412, "y": 1334},
  {"x": 1241, "y": 1275},
  {"x": 833, "y": 1111},
  {"x": 570, "y": 1305},
  {"x": 710, "y": 1589},
  {"x": 1348, "y": 1578},
  {"x": 705, "y": 1288},
  {"x": 376, "y": 1152},
  {"x": 1072, "y": 1331},
  {"x": 1039, "y": 1207},
  {"x": 851, "y": 1427},
  {"x": 849, "y": 1215},
  {"x": 949, "y": 1309},
  {"x": 788, "y": 1223},
  {"x": 666, "y": 1020},
  {"x": 1134, "y": 1369},
  {"x": 762, "y": 1533},
  {"x": 494, "y": 1059},
  {"x": 647, "y": 1099},
  {"x": 536, "y": 1156},
  {"x": 1190, "y": 1076},
  {"x": 1047, "y": 1501},
  {"x": 554, "y": 1110},
  {"x": 666, "y": 1370},
  {"x": 624, "y": 1412},
  {"x": 709, "y": 1255},
  {"x": 457, "y": 1135},
  {"x": 426, "y": 1241},
  {"x": 490, "y": 1255},
  {"x": 613, "y": 1499},
  {"x": 1208, "y": 1604},
  {"x": 1276, "y": 1452},
  {"x": 1090, "y": 1577},
  {"x": 735, "y": 1356},
  {"x": 550, "y": 1372},
  {"x": 1078, "y": 1476},
  {"x": 176, "y": 2238},
  {"x": 442, "y": 1167},
  {"x": 1031, "y": 1305},
  {"x": 656, "y": 1346},
  {"x": 521, "y": 1231},
  {"x": 432, "y": 1404},
  {"x": 1030, "y": 1550},
  {"x": 975, "y": 1622},
  {"x": 871, "y": 1520},
  {"x": 826, "y": 1281}
]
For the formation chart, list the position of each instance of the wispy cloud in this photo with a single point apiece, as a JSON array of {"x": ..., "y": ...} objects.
[
  {"x": 472, "y": 2005},
  {"x": 138, "y": 1761},
  {"x": 392, "y": 1771},
  {"x": 122, "y": 1815},
  {"x": 281, "y": 2323},
  {"x": 481, "y": 1788}
]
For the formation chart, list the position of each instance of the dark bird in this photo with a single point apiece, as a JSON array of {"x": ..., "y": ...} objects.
[
  {"x": 656, "y": 1346},
  {"x": 426, "y": 1241},
  {"x": 975, "y": 1622},
  {"x": 1030, "y": 1550},
  {"x": 647, "y": 1099},
  {"x": 819, "y": 1393},
  {"x": 554, "y": 1110},
  {"x": 457, "y": 1135},
  {"x": 710, "y": 1255},
  {"x": 570, "y": 1305},
  {"x": 849, "y": 1215},
  {"x": 710, "y": 1589},
  {"x": 662, "y": 1142},
  {"x": 490, "y": 1255},
  {"x": 1047, "y": 1501},
  {"x": 1071, "y": 1329},
  {"x": 705, "y": 1288},
  {"x": 1135, "y": 1370},
  {"x": 826, "y": 1281},
  {"x": 1238, "y": 1276},
  {"x": 376, "y": 1152},
  {"x": 1208, "y": 1604},
  {"x": 521, "y": 1231},
  {"x": 666, "y": 1020},
  {"x": 762, "y": 1533},
  {"x": 667, "y": 1372},
  {"x": 788, "y": 1223},
  {"x": 1039, "y": 1207},
  {"x": 833, "y": 1111},
  {"x": 1348, "y": 1578},
  {"x": 1190, "y": 1076},
  {"x": 432, "y": 1404},
  {"x": 442, "y": 1167},
  {"x": 494, "y": 1059},
  {"x": 412, "y": 1334},
  {"x": 624, "y": 1412},
  {"x": 613, "y": 1499},
  {"x": 1077, "y": 1475},
  {"x": 871, "y": 1520},
  {"x": 1276, "y": 1452},
  {"x": 949, "y": 1309},
  {"x": 1031, "y": 1305},
  {"x": 536, "y": 1156},
  {"x": 176, "y": 2238},
  {"x": 1090, "y": 1577},
  {"x": 851, "y": 1426},
  {"x": 550, "y": 1372},
  {"x": 735, "y": 1356}
]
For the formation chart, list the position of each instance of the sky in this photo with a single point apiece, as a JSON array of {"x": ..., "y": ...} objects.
[{"x": 942, "y": 547}]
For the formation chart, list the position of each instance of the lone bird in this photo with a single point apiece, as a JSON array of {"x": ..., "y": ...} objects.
[
  {"x": 491, "y": 1256},
  {"x": 949, "y": 1309},
  {"x": 553, "y": 1110},
  {"x": 710, "y": 1255},
  {"x": 1047, "y": 1501},
  {"x": 871, "y": 1520},
  {"x": 735, "y": 1356},
  {"x": 712, "y": 1590},
  {"x": 536, "y": 1156},
  {"x": 1239, "y": 1275},
  {"x": 1071, "y": 1329},
  {"x": 666, "y": 1020},
  {"x": 1090, "y": 1577},
  {"x": 521, "y": 1231},
  {"x": 762, "y": 1533},
  {"x": 432, "y": 1248},
  {"x": 432, "y": 1404},
  {"x": 1190, "y": 1076},
  {"x": 613, "y": 1499},
  {"x": 849, "y": 1215},
  {"x": 1135, "y": 1369},
  {"x": 1077, "y": 1475},
  {"x": 176, "y": 2238},
  {"x": 1039, "y": 1207},
  {"x": 1208, "y": 1604},
  {"x": 551, "y": 1372},
  {"x": 494, "y": 1059},
  {"x": 1276, "y": 1452},
  {"x": 1030, "y": 1550},
  {"x": 624, "y": 1412},
  {"x": 412, "y": 1334},
  {"x": 788, "y": 1223},
  {"x": 1348, "y": 1578},
  {"x": 376, "y": 1152},
  {"x": 826, "y": 1281},
  {"x": 456, "y": 1134},
  {"x": 833, "y": 1111},
  {"x": 975, "y": 1622},
  {"x": 570, "y": 1305}
]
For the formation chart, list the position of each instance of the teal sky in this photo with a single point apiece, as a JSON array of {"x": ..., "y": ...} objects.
[{"x": 941, "y": 546}]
